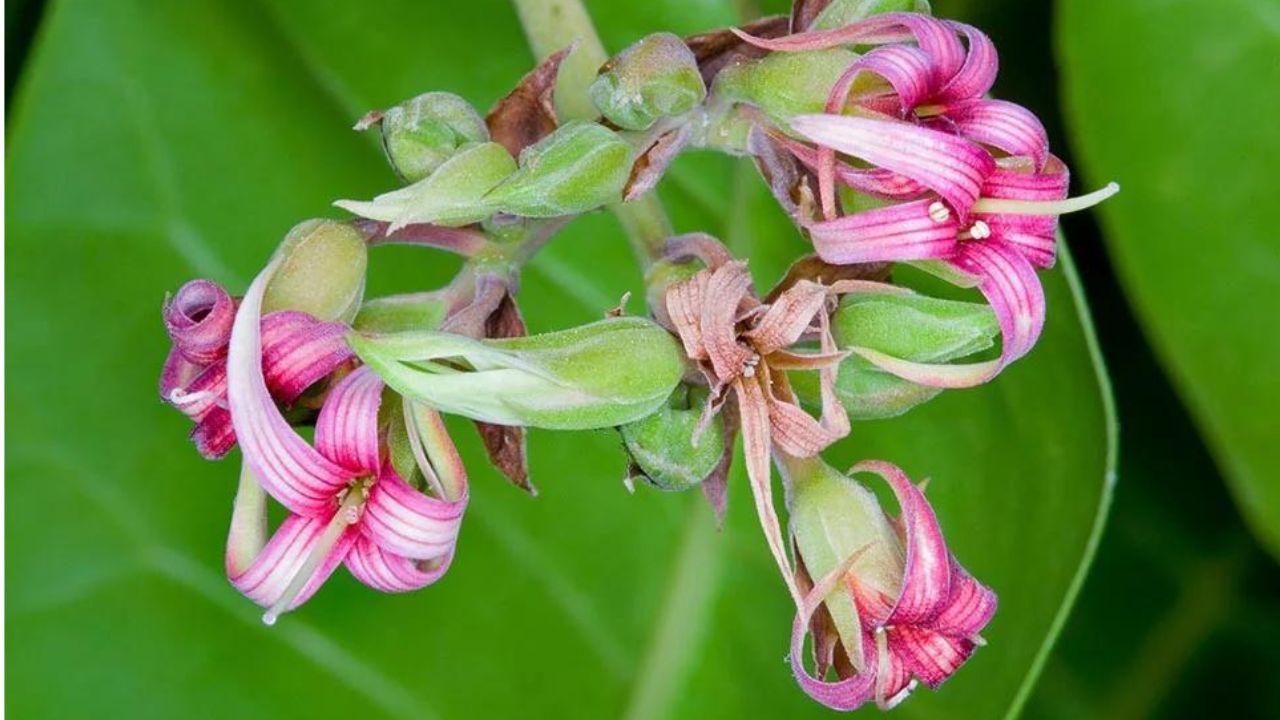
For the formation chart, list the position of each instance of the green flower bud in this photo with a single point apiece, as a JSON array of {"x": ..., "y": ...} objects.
[
  {"x": 418, "y": 135},
  {"x": 843, "y": 12},
  {"x": 909, "y": 326},
  {"x": 453, "y": 195},
  {"x": 661, "y": 445},
  {"x": 655, "y": 78},
  {"x": 401, "y": 313},
  {"x": 577, "y": 168},
  {"x": 786, "y": 84},
  {"x": 322, "y": 271},
  {"x": 604, "y": 374}
]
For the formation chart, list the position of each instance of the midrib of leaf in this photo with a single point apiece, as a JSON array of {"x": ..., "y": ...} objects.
[{"x": 177, "y": 566}]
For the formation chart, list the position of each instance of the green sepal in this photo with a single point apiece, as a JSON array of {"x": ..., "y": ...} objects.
[
  {"x": 420, "y": 134},
  {"x": 662, "y": 448},
  {"x": 579, "y": 167},
  {"x": 655, "y": 78},
  {"x": 321, "y": 271}
]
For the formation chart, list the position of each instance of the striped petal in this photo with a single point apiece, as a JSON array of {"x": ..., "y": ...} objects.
[
  {"x": 951, "y": 166},
  {"x": 298, "y": 350},
  {"x": 1010, "y": 285},
  {"x": 849, "y": 693},
  {"x": 406, "y": 522},
  {"x": 1003, "y": 125},
  {"x": 276, "y": 568},
  {"x": 788, "y": 317},
  {"x": 292, "y": 471},
  {"x": 347, "y": 429},
  {"x": 392, "y": 573},
  {"x": 725, "y": 289},
  {"x": 917, "y": 230},
  {"x": 978, "y": 73},
  {"x": 877, "y": 182},
  {"x": 968, "y": 610},
  {"x": 198, "y": 319},
  {"x": 926, "y": 575},
  {"x": 907, "y": 69},
  {"x": 874, "y": 30},
  {"x": 213, "y": 435},
  {"x": 928, "y": 655}
]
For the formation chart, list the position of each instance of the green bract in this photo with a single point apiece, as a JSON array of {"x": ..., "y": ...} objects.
[
  {"x": 321, "y": 271},
  {"x": 786, "y": 84},
  {"x": 579, "y": 167},
  {"x": 843, "y": 12},
  {"x": 905, "y": 325},
  {"x": 661, "y": 445},
  {"x": 418, "y": 135},
  {"x": 420, "y": 311},
  {"x": 656, "y": 77},
  {"x": 453, "y": 195},
  {"x": 604, "y": 374}
]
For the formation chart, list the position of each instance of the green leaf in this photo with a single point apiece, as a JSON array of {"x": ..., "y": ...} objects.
[
  {"x": 1174, "y": 105},
  {"x": 151, "y": 143}
]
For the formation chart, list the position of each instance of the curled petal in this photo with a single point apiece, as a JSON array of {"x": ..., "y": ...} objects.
[
  {"x": 214, "y": 435},
  {"x": 275, "y": 569},
  {"x": 926, "y": 577},
  {"x": 292, "y": 471},
  {"x": 1003, "y": 125},
  {"x": 725, "y": 289},
  {"x": 795, "y": 432},
  {"x": 788, "y": 317},
  {"x": 978, "y": 73},
  {"x": 298, "y": 350},
  {"x": 877, "y": 29},
  {"x": 878, "y": 182},
  {"x": 406, "y": 522},
  {"x": 952, "y": 166},
  {"x": 908, "y": 70},
  {"x": 916, "y": 230},
  {"x": 198, "y": 319},
  {"x": 968, "y": 610},
  {"x": 392, "y": 573},
  {"x": 893, "y": 678},
  {"x": 699, "y": 246},
  {"x": 928, "y": 655},
  {"x": 1010, "y": 284},
  {"x": 1033, "y": 236},
  {"x": 849, "y": 693},
  {"x": 347, "y": 429}
]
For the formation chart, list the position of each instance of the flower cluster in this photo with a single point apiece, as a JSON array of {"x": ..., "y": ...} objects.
[{"x": 874, "y": 132}]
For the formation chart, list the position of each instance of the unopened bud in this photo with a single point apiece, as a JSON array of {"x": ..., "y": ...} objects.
[
  {"x": 418, "y": 135},
  {"x": 662, "y": 446},
  {"x": 321, "y": 272},
  {"x": 604, "y": 374},
  {"x": 844, "y": 12},
  {"x": 655, "y": 78},
  {"x": 453, "y": 195},
  {"x": 786, "y": 84},
  {"x": 579, "y": 167}
]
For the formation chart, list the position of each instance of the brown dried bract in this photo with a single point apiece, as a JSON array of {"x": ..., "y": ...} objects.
[
  {"x": 654, "y": 160},
  {"x": 718, "y": 49},
  {"x": 528, "y": 113}
]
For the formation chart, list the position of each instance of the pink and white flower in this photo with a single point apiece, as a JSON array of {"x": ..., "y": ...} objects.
[
  {"x": 916, "y": 614},
  {"x": 347, "y": 504},
  {"x": 297, "y": 351}
]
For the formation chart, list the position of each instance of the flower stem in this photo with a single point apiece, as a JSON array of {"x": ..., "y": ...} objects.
[{"x": 551, "y": 25}]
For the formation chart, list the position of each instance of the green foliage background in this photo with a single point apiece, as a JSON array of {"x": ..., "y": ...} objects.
[{"x": 150, "y": 143}]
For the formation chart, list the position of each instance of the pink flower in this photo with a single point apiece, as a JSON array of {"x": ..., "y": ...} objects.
[
  {"x": 346, "y": 502},
  {"x": 298, "y": 350},
  {"x": 970, "y": 179},
  {"x": 895, "y": 610}
]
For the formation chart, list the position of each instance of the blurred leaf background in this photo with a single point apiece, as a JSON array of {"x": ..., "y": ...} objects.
[{"x": 150, "y": 143}]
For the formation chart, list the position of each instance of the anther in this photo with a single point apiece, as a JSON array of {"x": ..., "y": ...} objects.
[{"x": 938, "y": 212}]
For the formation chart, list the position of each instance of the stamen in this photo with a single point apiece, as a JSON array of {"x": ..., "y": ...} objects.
[
  {"x": 178, "y": 396},
  {"x": 352, "y": 502},
  {"x": 749, "y": 367},
  {"x": 1045, "y": 207},
  {"x": 939, "y": 213},
  {"x": 980, "y": 231}
]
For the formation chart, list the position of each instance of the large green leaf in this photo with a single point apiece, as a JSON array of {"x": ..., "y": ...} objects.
[
  {"x": 153, "y": 142},
  {"x": 1176, "y": 101}
]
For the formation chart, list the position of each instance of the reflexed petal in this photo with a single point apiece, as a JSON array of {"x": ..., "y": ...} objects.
[
  {"x": 288, "y": 467},
  {"x": 893, "y": 679},
  {"x": 347, "y": 429},
  {"x": 788, "y": 317},
  {"x": 906, "y": 231},
  {"x": 928, "y": 655},
  {"x": 214, "y": 435},
  {"x": 878, "y": 182},
  {"x": 266, "y": 580},
  {"x": 1033, "y": 236},
  {"x": 406, "y": 522},
  {"x": 1011, "y": 286},
  {"x": 877, "y": 29},
  {"x": 1003, "y": 125},
  {"x": 907, "y": 69},
  {"x": 849, "y": 693},
  {"x": 968, "y": 610},
  {"x": 198, "y": 318},
  {"x": 953, "y": 167},
  {"x": 392, "y": 573},
  {"x": 978, "y": 73},
  {"x": 926, "y": 577},
  {"x": 795, "y": 432},
  {"x": 725, "y": 289},
  {"x": 298, "y": 350},
  {"x": 684, "y": 306},
  {"x": 202, "y": 394},
  {"x": 753, "y": 412}
]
